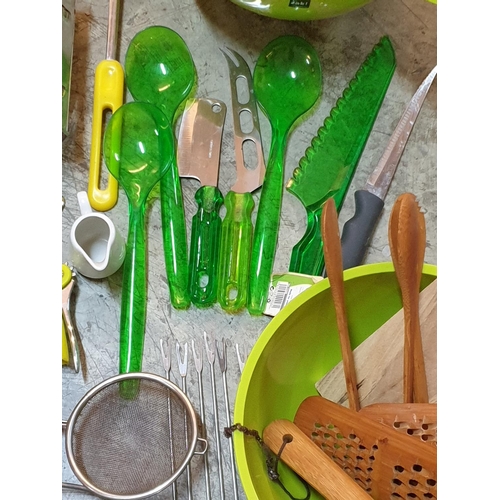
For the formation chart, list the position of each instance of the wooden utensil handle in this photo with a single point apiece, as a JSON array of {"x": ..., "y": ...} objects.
[
  {"x": 420, "y": 391},
  {"x": 333, "y": 263},
  {"x": 309, "y": 462}
]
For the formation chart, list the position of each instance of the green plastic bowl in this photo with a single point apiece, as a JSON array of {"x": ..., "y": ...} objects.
[
  {"x": 297, "y": 348},
  {"x": 301, "y": 10}
]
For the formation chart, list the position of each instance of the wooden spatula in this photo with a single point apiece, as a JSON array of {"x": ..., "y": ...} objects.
[
  {"x": 407, "y": 242},
  {"x": 416, "y": 417},
  {"x": 333, "y": 262},
  {"x": 384, "y": 462},
  {"x": 310, "y": 463}
]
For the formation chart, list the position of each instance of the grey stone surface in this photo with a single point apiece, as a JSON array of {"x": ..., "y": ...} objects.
[{"x": 342, "y": 43}]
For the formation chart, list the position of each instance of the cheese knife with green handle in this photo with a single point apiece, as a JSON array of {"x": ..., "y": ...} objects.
[
  {"x": 237, "y": 229},
  {"x": 369, "y": 201},
  {"x": 198, "y": 155},
  {"x": 329, "y": 163}
]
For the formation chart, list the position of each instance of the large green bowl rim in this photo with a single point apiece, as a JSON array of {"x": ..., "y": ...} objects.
[{"x": 268, "y": 332}]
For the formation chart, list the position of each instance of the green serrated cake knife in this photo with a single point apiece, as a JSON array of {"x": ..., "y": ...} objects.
[{"x": 328, "y": 165}]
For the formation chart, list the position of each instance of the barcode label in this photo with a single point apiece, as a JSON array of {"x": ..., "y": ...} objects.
[
  {"x": 280, "y": 295},
  {"x": 277, "y": 298}
]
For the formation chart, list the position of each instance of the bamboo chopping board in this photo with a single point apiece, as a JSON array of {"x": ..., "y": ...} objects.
[{"x": 379, "y": 359}]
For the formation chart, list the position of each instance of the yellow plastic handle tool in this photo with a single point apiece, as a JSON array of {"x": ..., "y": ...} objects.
[{"x": 108, "y": 95}]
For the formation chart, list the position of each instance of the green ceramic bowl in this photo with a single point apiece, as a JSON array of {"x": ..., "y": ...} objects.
[
  {"x": 298, "y": 347},
  {"x": 301, "y": 10}
]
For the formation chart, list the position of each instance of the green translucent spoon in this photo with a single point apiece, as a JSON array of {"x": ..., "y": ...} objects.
[
  {"x": 138, "y": 151},
  {"x": 287, "y": 82},
  {"x": 159, "y": 70}
]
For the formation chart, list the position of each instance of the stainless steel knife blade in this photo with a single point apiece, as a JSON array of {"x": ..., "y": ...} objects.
[
  {"x": 247, "y": 179},
  {"x": 380, "y": 179},
  {"x": 200, "y": 135}
]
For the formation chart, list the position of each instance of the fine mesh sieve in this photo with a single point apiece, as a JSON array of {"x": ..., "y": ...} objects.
[{"x": 124, "y": 444}]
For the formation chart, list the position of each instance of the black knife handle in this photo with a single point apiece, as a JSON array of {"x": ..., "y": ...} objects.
[{"x": 359, "y": 229}]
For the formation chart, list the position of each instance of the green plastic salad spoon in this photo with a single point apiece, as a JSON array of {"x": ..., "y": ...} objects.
[
  {"x": 287, "y": 82},
  {"x": 159, "y": 70},
  {"x": 138, "y": 151}
]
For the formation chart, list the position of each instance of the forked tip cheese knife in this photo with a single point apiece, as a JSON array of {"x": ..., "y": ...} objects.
[
  {"x": 237, "y": 229},
  {"x": 369, "y": 201},
  {"x": 198, "y": 155}
]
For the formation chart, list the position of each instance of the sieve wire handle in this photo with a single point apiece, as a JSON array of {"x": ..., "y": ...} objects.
[
  {"x": 76, "y": 487},
  {"x": 205, "y": 444}
]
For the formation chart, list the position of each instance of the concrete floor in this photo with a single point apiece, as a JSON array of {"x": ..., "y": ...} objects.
[{"x": 342, "y": 44}]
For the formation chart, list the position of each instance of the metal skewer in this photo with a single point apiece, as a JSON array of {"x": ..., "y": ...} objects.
[
  {"x": 183, "y": 372},
  {"x": 211, "y": 360},
  {"x": 165, "y": 352},
  {"x": 198, "y": 363},
  {"x": 241, "y": 358},
  {"x": 222, "y": 354}
]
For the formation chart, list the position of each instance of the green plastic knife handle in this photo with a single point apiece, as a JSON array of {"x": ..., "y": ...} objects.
[
  {"x": 266, "y": 227},
  {"x": 307, "y": 255},
  {"x": 175, "y": 247},
  {"x": 308, "y": 252},
  {"x": 133, "y": 306},
  {"x": 358, "y": 230},
  {"x": 236, "y": 246},
  {"x": 205, "y": 243}
]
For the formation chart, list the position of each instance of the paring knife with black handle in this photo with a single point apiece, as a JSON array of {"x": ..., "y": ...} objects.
[{"x": 369, "y": 201}]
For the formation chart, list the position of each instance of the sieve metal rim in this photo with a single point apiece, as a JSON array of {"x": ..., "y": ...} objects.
[{"x": 70, "y": 424}]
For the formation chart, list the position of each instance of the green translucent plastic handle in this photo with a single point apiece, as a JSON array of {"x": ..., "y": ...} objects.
[
  {"x": 174, "y": 238},
  {"x": 235, "y": 252},
  {"x": 308, "y": 252},
  {"x": 133, "y": 307},
  {"x": 267, "y": 227},
  {"x": 307, "y": 255},
  {"x": 205, "y": 243}
]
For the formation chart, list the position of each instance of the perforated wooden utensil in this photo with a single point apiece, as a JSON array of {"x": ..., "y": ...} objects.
[
  {"x": 385, "y": 463},
  {"x": 418, "y": 420}
]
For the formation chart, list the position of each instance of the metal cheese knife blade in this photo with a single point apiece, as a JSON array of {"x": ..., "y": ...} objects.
[
  {"x": 369, "y": 201},
  {"x": 198, "y": 156},
  {"x": 237, "y": 229},
  {"x": 328, "y": 165}
]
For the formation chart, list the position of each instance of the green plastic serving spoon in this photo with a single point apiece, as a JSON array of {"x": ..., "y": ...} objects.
[
  {"x": 138, "y": 151},
  {"x": 159, "y": 70},
  {"x": 287, "y": 82}
]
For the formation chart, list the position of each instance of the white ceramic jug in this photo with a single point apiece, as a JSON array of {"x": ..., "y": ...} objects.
[{"x": 97, "y": 248}]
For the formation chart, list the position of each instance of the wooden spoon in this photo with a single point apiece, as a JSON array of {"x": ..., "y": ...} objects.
[
  {"x": 333, "y": 262},
  {"x": 407, "y": 242}
]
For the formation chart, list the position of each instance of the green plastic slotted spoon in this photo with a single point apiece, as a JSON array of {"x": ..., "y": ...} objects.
[
  {"x": 287, "y": 82},
  {"x": 159, "y": 70},
  {"x": 138, "y": 151}
]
